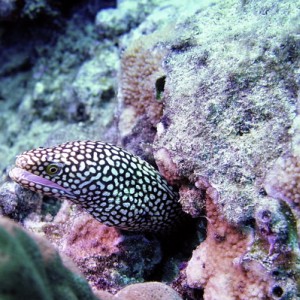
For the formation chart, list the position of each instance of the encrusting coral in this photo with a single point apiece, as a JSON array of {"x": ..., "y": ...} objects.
[
  {"x": 275, "y": 247},
  {"x": 142, "y": 80},
  {"x": 283, "y": 181},
  {"x": 78, "y": 235},
  {"x": 258, "y": 261},
  {"x": 31, "y": 268},
  {"x": 141, "y": 61},
  {"x": 108, "y": 258},
  {"x": 216, "y": 263}
]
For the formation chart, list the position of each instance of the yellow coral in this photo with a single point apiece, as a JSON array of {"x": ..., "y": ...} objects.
[{"x": 216, "y": 263}]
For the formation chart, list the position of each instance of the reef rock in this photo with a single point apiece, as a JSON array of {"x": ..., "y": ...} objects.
[
  {"x": 229, "y": 129},
  {"x": 230, "y": 265},
  {"x": 17, "y": 203}
]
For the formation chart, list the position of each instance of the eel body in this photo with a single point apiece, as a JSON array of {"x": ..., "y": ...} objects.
[{"x": 116, "y": 187}]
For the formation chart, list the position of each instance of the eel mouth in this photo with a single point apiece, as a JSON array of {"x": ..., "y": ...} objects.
[{"x": 24, "y": 178}]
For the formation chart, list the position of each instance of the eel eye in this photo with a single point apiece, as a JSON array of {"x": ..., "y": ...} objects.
[{"x": 53, "y": 169}]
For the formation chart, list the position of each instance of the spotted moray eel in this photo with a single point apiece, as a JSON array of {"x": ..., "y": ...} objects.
[{"x": 116, "y": 187}]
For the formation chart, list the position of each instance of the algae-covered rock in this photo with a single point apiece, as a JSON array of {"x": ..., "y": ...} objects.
[
  {"x": 129, "y": 14},
  {"x": 229, "y": 101},
  {"x": 55, "y": 86},
  {"x": 230, "y": 98},
  {"x": 30, "y": 268},
  {"x": 14, "y": 10}
]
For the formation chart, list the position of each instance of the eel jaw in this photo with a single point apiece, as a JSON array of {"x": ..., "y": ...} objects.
[{"x": 26, "y": 179}]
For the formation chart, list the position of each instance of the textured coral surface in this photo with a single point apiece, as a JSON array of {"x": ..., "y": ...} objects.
[
  {"x": 208, "y": 92},
  {"x": 148, "y": 291},
  {"x": 230, "y": 101},
  {"x": 141, "y": 61},
  {"x": 32, "y": 269},
  {"x": 216, "y": 263},
  {"x": 108, "y": 258}
]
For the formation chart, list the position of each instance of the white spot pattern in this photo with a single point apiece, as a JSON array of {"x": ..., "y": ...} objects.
[{"x": 116, "y": 187}]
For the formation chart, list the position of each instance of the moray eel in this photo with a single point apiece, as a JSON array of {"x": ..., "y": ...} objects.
[{"x": 116, "y": 187}]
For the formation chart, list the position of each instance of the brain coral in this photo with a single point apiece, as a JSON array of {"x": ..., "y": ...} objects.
[
  {"x": 30, "y": 268},
  {"x": 147, "y": 291}
]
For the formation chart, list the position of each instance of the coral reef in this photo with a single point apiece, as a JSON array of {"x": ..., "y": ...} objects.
[
  {"x": 138, "y": 96},
  {"x": 282, "y": 182},
  {"x": 108, "y": 258},
  {"x": 31, "y": 268},
  {"x": 129, "y": 14},
  {"x": 219, "y": 102},
  {"x": 142, "y": 76},
  {"x": 207, "y": 92},
  {"x": 51, "y": 93},
  {"x": 205, "y": 142},
  {"x": 215, "y": 267},
  {"x": 231, "y": 264},
  {"x": 44, "y": 275},
  {"x": 32, "y": 10},
  {"x": 276, "y": 248},
  {"x": 10, "y": 10}
]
